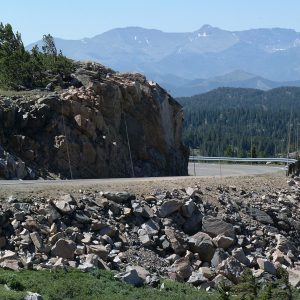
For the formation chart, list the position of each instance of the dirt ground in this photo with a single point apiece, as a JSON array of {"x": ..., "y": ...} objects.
[{"x": 266, "y": 183}]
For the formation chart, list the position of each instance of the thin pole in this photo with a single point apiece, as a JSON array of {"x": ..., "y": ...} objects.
[
  {"x": 220, "y": 163},
  {"x": 68, "y": 153},
  {"x": 251, "y": 145},
  {"x": 289, "y": 139},
  {"x": 128, "y": 144},
  {"x": 219, "y": 150},
  {"x": 194, "y": 162},
  {"x": 297, "y": 141}
]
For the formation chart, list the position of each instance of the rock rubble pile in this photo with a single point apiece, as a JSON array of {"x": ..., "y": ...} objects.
[{"x": 197, "y": 235}]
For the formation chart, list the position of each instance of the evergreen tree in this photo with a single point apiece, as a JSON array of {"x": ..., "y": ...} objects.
[
  {"x": 49, "y": 47},
  {"x": 13, "y": 59},
  {"x": 253, "y": 152},
  {"x": 23, "y": 69},
  {"x": 229, "y": 151}
]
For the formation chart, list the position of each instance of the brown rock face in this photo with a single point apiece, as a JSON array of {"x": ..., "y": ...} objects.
[{"x": 93, "y": 131}]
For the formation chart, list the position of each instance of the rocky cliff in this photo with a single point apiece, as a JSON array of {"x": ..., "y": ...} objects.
[{"x": 103, "y": 124}]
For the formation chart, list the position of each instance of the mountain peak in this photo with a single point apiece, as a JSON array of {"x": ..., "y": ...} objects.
[
  {"x": 208, "y": 28},
  {"x": 205, "y": 53}
]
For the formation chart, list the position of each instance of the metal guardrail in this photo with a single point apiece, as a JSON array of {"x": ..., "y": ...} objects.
[{"x": 242, "y": 159}]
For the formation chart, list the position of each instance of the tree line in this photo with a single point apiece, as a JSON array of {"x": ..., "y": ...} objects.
[
  {"x": 243, "y": 122},
  {"x": 22, "y": 69}
]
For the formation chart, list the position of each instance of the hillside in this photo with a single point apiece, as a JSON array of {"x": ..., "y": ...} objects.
[
  {"x": 227, "y": 121},
  {"x": 205, "y": 53}
]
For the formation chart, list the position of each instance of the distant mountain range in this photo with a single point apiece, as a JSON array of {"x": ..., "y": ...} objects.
[
  {"x": 180, "y": 87},
  {"x": 178, "y": 60}
]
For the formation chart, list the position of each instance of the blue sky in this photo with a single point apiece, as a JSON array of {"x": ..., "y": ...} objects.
[{"x": 74, "y": 19}]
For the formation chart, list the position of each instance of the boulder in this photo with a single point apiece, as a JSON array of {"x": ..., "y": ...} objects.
[
  {"x": 202, "y": 244},
  {"x": 52, "y": 213},
  {"x": 215, "y": 226},
  {"x": 188, "y": 208},
  {"x": 224, "y": 242},
  {"x": 147, "y": 211},
  {"x": 284, "y": 245},
  {"x": 137, "y": 208},
  {"x": 197, "y": 278},
  {"x": 207, "y": 272},
  {"x": 65, "y": 204},
  {"x": 239, "y": 254},
  {"x": 294, "y": 277},
  {"x": 190, "y": 191},
  {"x": 64, "y": 248},
  {"x": 82, "y": 218},
  {"x": 142, "y": 272},
  {"x": 55, "y": 237},
  {"x": 7, "y": 254},
  {"x": 266, "y": 265},
  {"x": 279, "y": 257},
  {"x": 131, "y": 277},
  {"x": 151, "y": 227},
  {"x": 232, "y": 269},
  {"x": 260, "y": 216},
  {"x": 152, "y": 281},
  {"x": 12, "y": 167},
  {"x": 99, "y": 250},
  {"x": 219, "y": 256},
  {"x": 145, "y": 239},
  {"x": 92, "y": 261},
  {"x": 176, "y": 240},
  {"x": 118, "y": 197},
  {"x": 193, "y": 224},
  {"x": 33, "y": 296},
  {"x": 12, "y": 264},
  {"x": 221, "y": 279},
  {"x": 37, "y": 241},
  {"x": 181, "y": 269},
  {"x": 168, "y": 207}
]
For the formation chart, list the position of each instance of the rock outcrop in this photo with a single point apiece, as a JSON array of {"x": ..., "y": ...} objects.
[{"x": 93, "y": 129}]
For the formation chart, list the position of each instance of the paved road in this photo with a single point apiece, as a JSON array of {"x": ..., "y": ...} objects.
[
  {"x": 216, "y": 169},
  {"x": 202, "y": 170}
]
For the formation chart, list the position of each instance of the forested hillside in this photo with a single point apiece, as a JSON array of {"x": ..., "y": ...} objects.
[{"x": 228, "y": 121}]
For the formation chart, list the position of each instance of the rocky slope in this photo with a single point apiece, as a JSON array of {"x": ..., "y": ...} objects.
[
  {"x": 201, "y": 235},
  {"x": 86, "y": 130}
]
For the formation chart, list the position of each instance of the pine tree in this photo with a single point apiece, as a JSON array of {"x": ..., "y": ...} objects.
[
  {"x": 13, "y": 59},
  {"x": 49, "y": 47},
  {"x": 23, "y": 69}
]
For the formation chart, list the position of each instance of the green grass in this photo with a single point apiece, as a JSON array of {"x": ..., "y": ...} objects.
[
  {"x": 100, "y": 284},
  {"x": 76, "y": 285}
]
